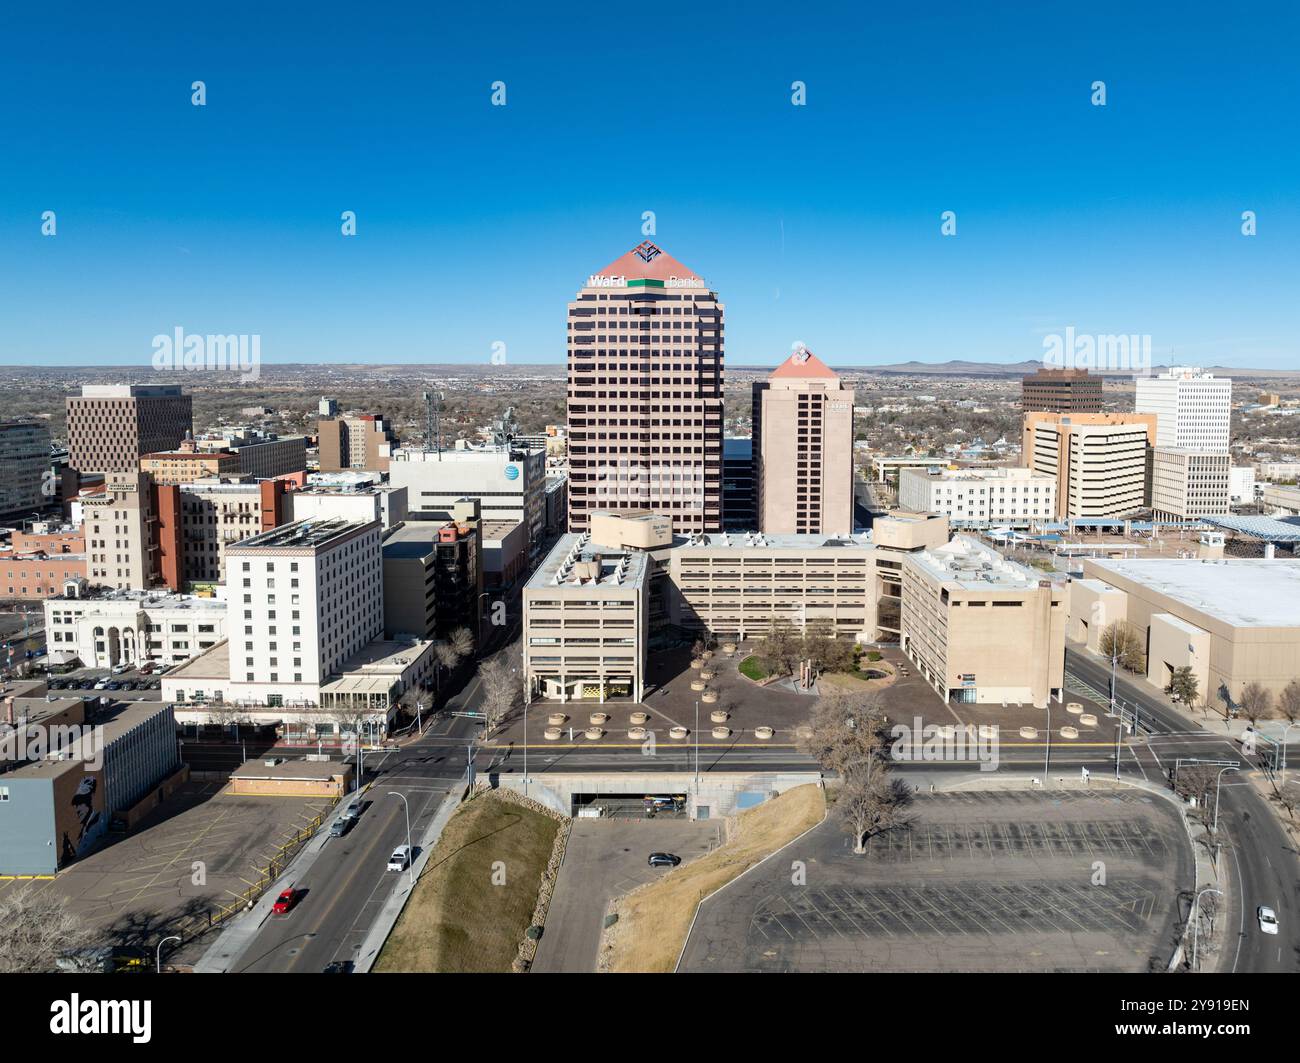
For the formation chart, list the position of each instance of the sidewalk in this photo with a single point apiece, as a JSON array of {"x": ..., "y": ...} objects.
[{"x": 392, "y": 909}]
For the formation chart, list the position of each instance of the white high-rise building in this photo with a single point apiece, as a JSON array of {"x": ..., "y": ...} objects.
[
  {"x": 1190, "y": 467},
  {"x": 1193, "y": 408},
  {"x": 304, "y": 598}
]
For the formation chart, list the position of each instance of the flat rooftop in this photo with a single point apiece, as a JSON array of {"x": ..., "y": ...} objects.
[
  {"x": 150, "y": 599},
  {"x": 315, "y": 770},
  {"x": 301, "y": 534},
  {"x": 1241, "y": 591},
  {"x": 973, "y": 566}
]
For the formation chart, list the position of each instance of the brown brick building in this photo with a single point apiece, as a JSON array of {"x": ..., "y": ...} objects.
[{"x": 1061, "y": 391}]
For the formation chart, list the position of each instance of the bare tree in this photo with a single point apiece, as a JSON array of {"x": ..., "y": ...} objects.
[
  {"x": 1256, "y": 702},
  {"x": 1288, "y": 702},
  {"x": 870, "y": 806},
  {"x": 846, "y": 732},
  {"x": 779, "y": 649},
  {"x": 462, "y": 641},
  {"x": 1120, "y": 640},
  {"x": 499, "y": 675},
  {"x": 35, "y": 928}
]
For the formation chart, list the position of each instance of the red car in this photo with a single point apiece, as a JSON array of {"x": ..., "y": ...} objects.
[{"x": 285, "y": 901}]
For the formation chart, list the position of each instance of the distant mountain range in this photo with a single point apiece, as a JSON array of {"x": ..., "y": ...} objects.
[{"x": 960, "y": 367}]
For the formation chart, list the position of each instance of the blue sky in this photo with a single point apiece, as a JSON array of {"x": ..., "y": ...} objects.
[{"x": 476, "y": 224}]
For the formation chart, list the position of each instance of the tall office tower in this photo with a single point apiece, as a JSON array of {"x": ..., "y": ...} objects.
[
  {"x": 1099, "y": 459},
  {"x": 25, "y": 460},
  {"x": 803, "y": 449},
  {"x": 645, "y": 393},
  {"x": 1190, "y": 464},
  {"x": 1061, "y": 391},
  {"x": 362, "y": 442},
  {"x": 110, "y": 427}
]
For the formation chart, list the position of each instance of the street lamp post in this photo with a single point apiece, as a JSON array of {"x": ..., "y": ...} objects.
[
  {"x": 410, "y": 849},
  {"x": 1284, "y": 734},
  {"x": 157, "y": 963},
  {"x": 1047, "y": 753},
  {"x": 1215, "y": 829},
  {"x": 1196, "y": 922},
  {"x": 1119, "y": 730},
  {"x": 697, "y": 753},
  {"x": 1114, "y": 657}
]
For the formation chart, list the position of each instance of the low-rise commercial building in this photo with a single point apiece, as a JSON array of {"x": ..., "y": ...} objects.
[
  {"x": 131, "y": 626},
  {"x": 592, "y": 606},
  {"x": 26, "y": 577},
  {"x": 433, "y": 576},
  {"x": 188, "y": 463},
  {"x": 1012, "y": 495},
  {"x": 56, "y": 809},
  {"x": 260, "y": 455},
  {"x": 1233, "y": 621},
  {"x": 981, "y": 628},
  {"x": 355, "y": 501}
]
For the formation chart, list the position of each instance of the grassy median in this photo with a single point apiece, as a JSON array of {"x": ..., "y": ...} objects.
[
  {"x": 653, "y": 920},
  {"x": 467, "y": 914}
]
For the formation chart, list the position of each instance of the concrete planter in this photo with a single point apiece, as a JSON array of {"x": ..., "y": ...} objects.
[
  {"x": 598, "y": 718},
  {"x": 988, "y": 730},
  {"x": 706, "y": 655},
  {"x": 1074, "y": 707},
  {"x": 551, "y": 734},
  {"x": 1029, "y": 732},
  {"x": 697, "y": 664},
  {"x": 718, "y": 716},
  {"x": 592, "y": 733},
  {"x": 763, "y": 732},
  {"x": 1088, "y": 720},
  {"x": 728, "y": 648},
  {"x": 709, "y": 697},
  {"x": 677, "y": 732},
  {"x": 697, "y": 684},
  {"x": 640, "y": 717},
  {"x": 556, "y": 718},
  {"x": 706, "y": 675},
  {"x": 722, "y": 732},
  {"x": 636, "y": 733},
  {"x": 1069, "y": 732}
]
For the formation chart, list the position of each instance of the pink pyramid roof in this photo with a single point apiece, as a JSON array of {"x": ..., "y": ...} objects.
[
  {"x": 647, "y": 262},
  {"x": 802, "y": 364}
]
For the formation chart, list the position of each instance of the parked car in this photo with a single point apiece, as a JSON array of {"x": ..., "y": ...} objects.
[
  {"x": 353, "y": 811},
  {"x": 128, "y": 685},
  {"x": 341, "y": 826},
  {"x": 400, "y": 858},
  {"x": 101, "y": 685},
  {"x": 283, "y": 903},
  {"x": 115, "y": 685},
  {"x": 339, "y": 967},
  {"x": 664, "y": 860},
  {"x": 118, "y": 669},
  {"x": 146, "y": 668},
  {"x": 1267, "y": 919}
]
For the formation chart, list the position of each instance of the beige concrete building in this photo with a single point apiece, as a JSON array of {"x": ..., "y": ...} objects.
[
  {"x": 645, "y": 393},
  {"x": 1187, "y": 483},
  {"x": 364, "y": 441},
  {"x": 983, "y": 629},
  {"x": 110, "y": 427},
  {"x": 1099, "y": 460},
  {"x": 803, "y": 449},
  {"x": 121, "y": 533},
  {"x": 592, "y": 607},
  {"x": 1277, "y": 498},
  {"x": 1232, "y": 621}
]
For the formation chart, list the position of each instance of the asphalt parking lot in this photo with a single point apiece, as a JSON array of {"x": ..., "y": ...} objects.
[
  {"x": 980, "y": 881},
  {"x": 606, "y": 858},
  {"x": 197, "y": 852}
]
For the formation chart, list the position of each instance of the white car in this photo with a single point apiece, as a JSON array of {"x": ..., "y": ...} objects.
[{"x": 1267, "y": 919}]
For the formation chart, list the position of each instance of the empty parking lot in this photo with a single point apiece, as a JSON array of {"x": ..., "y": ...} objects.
[
  {"x": 980, "y": 881},
  {"x": 195, "y": 854}
]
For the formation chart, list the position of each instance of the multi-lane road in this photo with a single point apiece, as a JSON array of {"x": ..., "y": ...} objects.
[{"x": 1257, "y": 852}]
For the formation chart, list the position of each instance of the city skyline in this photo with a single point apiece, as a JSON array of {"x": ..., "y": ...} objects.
[{"x": 226, "y": 218}]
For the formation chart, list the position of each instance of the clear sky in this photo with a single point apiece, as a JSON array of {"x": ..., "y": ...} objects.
[{"x": 821, "y": 223}]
